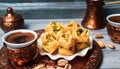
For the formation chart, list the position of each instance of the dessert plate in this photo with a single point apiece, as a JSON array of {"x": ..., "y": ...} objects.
[{"x": 81, "y": 53}]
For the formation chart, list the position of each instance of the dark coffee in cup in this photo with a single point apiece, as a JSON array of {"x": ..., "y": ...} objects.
[
  {"x": 20, "y": 37},
  {"x": 115, "y": 19}
]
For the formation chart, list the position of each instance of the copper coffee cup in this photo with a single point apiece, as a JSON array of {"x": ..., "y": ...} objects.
[
  {"x": 113, "y": 27},
  {"x": 20, "y": 50}
]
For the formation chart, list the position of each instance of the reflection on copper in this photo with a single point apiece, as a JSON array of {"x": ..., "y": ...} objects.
[
  {"x": 7, "y": 24},
  {"x": 91, "y": 24},
  {"x": 94, "y": 15}
]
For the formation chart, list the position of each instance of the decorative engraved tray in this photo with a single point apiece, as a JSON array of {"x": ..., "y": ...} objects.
[{"x": 91, "y": 61}]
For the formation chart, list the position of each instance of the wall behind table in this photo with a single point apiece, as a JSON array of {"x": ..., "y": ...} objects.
[
  {"x": 23, "y": 1},
  {"x": 51, "y": 9}
]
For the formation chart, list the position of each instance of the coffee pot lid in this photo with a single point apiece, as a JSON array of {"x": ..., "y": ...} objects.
[{"x": 11, "y": 16}]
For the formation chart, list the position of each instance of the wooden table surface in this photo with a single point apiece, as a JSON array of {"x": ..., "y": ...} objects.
[{"x": 111, "y": 57}]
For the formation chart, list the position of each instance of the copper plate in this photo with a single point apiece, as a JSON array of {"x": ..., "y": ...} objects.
[{"x": 92, "y": 60}]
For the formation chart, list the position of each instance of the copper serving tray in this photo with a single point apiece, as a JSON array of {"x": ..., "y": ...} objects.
[{"x": 92, "y": 60}]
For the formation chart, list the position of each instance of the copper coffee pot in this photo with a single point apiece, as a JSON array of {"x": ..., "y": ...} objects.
[
  {"x": 11, "y": 21},
  {"x": 94, "y": 15}
]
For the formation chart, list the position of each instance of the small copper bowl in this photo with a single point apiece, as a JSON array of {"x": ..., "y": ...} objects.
[
  {"x": 21, "y": 53},
  {"x": 113, "y": 27},
  {"x": 11, "y": 21}
]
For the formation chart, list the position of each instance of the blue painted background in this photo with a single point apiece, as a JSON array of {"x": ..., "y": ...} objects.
[
  {"x": 52, "y": 9},
  {"x": 22, "y": 1}
]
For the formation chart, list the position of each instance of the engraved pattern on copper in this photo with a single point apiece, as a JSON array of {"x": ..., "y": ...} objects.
[
  {"x": 114, "y": 33},
  {"x": 22, "y": 55}
]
